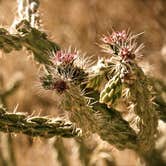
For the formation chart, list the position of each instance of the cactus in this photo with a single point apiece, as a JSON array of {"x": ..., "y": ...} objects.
[
  {"x": 36, "y": 126},
  {"x": 111, "y": 91},
  {"x": 90, "y": 96},
  {"x": 129, "y": 83},
  {"x": 6, "y": 91}
]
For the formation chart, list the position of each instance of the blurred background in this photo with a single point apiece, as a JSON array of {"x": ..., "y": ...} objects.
[{"x": 77, "y": 23}]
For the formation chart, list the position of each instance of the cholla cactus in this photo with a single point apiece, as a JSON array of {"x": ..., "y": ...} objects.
[
  {"x": 127, "y": 81},
  {"x": 91, "y": 96},
  {"x": 123, "y": 50},
  {"x": 65, "y": 78},
  {"x": 82, "y": 102}
]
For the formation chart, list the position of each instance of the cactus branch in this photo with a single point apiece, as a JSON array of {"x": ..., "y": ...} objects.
[
  {"x": 28, "y": 9},
  {"x": 39, "y": 44},
  {"x": 30, "y": 38},
  {"x": 6, "y": 91},
  {"x": 36, "y": 125},
  {"x": 160, "y": 88}
]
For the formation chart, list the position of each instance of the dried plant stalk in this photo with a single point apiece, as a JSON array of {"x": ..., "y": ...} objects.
[{"x": 61, "y": 151}]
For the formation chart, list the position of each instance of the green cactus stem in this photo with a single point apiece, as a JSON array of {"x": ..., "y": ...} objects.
[{"x": 36, "y": 126}]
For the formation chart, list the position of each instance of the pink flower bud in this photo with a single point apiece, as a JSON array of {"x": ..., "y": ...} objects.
[
  {"x": 64, "y": 57},
  {"x": 115, "y": 38}
]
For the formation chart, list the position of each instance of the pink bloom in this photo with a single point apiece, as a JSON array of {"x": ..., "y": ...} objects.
[
  {"x": 126, "y": 52},
  {"x": 121, "y": 36},
  {"x": 64, "y": 57},
  {"x": 115, "y": 38}
]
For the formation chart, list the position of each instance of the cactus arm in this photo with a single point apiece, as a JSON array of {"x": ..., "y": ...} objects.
[
  {"x": 31, "y": 38},
  {"x": 36, "y": 126}
]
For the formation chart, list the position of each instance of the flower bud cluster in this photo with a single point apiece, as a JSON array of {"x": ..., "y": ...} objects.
[
  {"x": 121, "y": 44},
  {"x": 115, "y": 38},
  {"x": 64, "y": 57},
  {"x": 64, "y": 72}
]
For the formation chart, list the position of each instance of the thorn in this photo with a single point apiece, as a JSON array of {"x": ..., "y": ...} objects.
[{"x": 16, "y": 108}]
